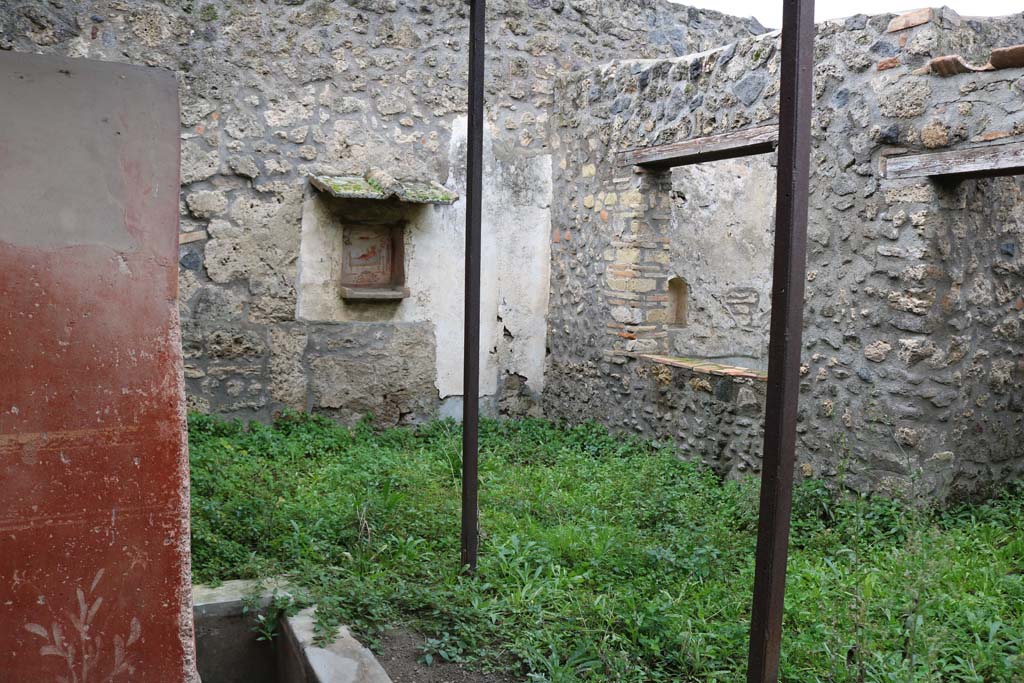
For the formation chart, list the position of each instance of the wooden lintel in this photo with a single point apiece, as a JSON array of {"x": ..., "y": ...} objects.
[
  {"x": 975, "y": 161},
  {"x": 737, "y": 143},
  {"x": 189, "y": 237}
]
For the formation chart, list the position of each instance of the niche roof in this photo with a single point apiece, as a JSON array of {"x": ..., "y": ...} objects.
[
  {"x": 1011, "y": 57},
  {"x": 376, "y": 184},
  {"x": 1001, "y": 58}
]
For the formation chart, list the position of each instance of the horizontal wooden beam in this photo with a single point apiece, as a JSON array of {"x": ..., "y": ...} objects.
[
  {"x": 194, "y": 236},
  {"x": 976, "y": 161},
  {"x": 737, "y": 143}
]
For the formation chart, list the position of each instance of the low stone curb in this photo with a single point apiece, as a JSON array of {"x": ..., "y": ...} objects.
[
  {"x": 224, "y": 631},
  {"x": 344, "y": 660}
]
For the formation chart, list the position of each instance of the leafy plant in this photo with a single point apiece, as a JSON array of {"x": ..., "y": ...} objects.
[
  {"x": 603, "y": 557},
  {"x": 267, "y": 614}
]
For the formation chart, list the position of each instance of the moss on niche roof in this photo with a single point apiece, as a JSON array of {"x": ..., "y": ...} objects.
[{"x": 378, "y": 185}]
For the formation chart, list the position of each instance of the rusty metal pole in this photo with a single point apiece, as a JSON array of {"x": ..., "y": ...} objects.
[
  {"x": 785, "y": 340},
  {"x": 471, "y": 343}
]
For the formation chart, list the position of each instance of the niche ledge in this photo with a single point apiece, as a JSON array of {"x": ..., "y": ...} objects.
[{"x": 374, "y": 294}]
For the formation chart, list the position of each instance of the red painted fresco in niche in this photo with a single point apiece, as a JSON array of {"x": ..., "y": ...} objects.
[
  {"x": 94, "y": 515},
  {"x": 367, "y": 258},
  {"x": 372, "y": 256}
]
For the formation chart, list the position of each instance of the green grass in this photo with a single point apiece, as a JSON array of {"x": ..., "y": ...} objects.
[{"x": 602, "y": 558}]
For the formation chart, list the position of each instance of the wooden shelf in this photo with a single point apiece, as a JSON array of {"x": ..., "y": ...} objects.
[
  {"x": 738, "y": 143},
  {"x": 969, "y": 161},
  {"x": 707, "y": 367}
]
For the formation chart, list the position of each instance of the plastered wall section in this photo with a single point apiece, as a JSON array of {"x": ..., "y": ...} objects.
[
  {"x": 514, "y": 268},
  {"x": 721, "y": 238}
]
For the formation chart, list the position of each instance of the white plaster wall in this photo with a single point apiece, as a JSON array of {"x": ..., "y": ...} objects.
[
  {"x": 319, "y": 271},
  {"x": 515, "y": 258},
  {"x": 517, "y": 215}
]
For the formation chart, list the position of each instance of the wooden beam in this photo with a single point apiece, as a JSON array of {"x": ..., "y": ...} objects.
[
  {"x": 789, "y": 267},
  {"x": 189, "y": 237},
  {"x": 976, "y": 161},
  {"x": 737, "y": 143},
  {"x": 470, "y": 536}
]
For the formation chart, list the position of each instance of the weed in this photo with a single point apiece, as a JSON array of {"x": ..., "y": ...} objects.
[
  {"x": 268, "y": 612},
  {"x": 603, "y": 558}
]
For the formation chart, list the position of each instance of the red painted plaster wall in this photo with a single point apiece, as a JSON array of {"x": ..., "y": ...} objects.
[{"x": 94, "y": 555}]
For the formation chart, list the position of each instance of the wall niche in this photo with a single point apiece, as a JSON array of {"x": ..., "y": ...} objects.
[
  {"x": 358, "y": 235},
  {"x": 678, "y": 302},
  {"x": 373, "y": 261}
]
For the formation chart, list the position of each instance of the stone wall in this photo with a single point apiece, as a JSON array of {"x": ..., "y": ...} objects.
[
  {"x": 914, "y": 331},
  {"x": 913, "y": 327},
  {"x": 273, "y": 91}
]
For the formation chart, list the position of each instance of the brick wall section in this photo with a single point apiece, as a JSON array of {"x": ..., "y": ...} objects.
[{"x": 636, "y": 286}]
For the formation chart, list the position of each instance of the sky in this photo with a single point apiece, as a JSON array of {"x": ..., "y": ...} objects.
[{"x": 769, "y": 12}]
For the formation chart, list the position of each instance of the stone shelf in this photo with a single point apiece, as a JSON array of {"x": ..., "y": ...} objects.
[
  {"x": 374, "y": 293},
  {"x": 376, "y": 184}
]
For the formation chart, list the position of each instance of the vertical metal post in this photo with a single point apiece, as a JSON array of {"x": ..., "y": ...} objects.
[
  {"x": 471, "y": 346},
  {"x": 785, "y": 340}
]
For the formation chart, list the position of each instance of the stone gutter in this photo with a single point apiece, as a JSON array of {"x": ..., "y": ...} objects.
[
  {"x": 229, "y": 651},
  {"x": 345, "y": 660}
]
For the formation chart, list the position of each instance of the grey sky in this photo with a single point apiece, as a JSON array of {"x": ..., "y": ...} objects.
[{"x": 769, "y": 12}]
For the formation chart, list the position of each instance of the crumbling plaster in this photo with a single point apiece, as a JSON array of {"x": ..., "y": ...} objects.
[{"x": 721, "y": 238}]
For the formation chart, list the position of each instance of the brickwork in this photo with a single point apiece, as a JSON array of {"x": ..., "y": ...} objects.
[{"x": 636, "y": 284}]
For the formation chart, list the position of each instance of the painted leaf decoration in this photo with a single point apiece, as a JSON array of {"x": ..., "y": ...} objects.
[
  {"x": 92, "y": 611},
  {"x": 118, "y": 651},
  {"x": 38, "y": 630},
  {"x": 77, "y": 623},
  {"x": 95, "y": 581},
  {"x": 136, "y": 631},
  {"x": 82, "y": 609},
  {"x": 58, "y": 634},
  {"x": 50, "y": 651}
]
